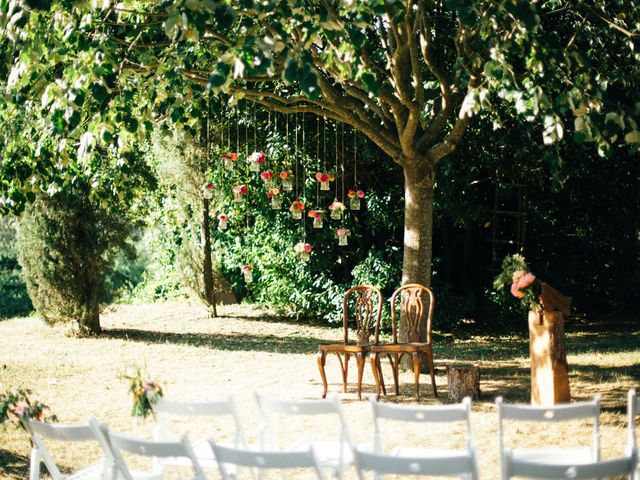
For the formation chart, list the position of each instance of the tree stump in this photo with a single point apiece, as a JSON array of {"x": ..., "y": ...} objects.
[
  {"x": 549, "y": 368},
  {"x": 463, "y": 381}
]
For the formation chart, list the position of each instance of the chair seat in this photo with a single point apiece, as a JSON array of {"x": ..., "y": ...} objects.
[
  {"x": 401, "y": 347},
  {"x": 553, "y": 456},
  {"x": 349, "y": 348},
  {"x": 327, "y": 453}
]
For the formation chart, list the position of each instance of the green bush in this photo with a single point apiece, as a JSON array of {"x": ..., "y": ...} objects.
[
  {"x": 67, "y": 247},
  {"x": 13, "y": 290}
]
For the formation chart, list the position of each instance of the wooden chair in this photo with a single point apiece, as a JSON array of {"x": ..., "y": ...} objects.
[
  {"x": 366, "y": 313},
  {"x": 459, "y": 465},
  {"x": 225, "y": 410},
  {"x": 40, "y": 431},
  {"x": 545, "y": 415},
  {"x": 411, "y": 299},
  {"x": 115, "y": 444},
  {"x": 261, "y": 460},
  {"x": 332, "y": 452},
  {"x": 396, "y": 418},
  {"x": 614, "y": 468},
  {"x": 633, "y": 409}
]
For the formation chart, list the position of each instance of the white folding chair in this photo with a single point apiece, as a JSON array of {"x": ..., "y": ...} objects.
[
  {"x": 41, "y": 431},
  {"x": 459, "y": 413},
  {"x": 117, "y": 444},
  {"x": 545, "y": 415},
  {"x": 380, "y": 464},
  {"x": 600, "y": 469},
  {"x": 262, "y": 460},
  {"x": 633, "y": 409},
  {"x": 167, "y": 410},
  {"x": 335, "y": 453}
]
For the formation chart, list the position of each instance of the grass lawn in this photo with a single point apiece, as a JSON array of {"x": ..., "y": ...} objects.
[{"x": 196, "y": 357}]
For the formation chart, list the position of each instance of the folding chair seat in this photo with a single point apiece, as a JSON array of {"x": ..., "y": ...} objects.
[
  {"x": 40, "y": 432},
  {"x": 118, "y": 445},
  {"x": 262, "y": 460},
  {"x": 398, "y": 417},
  {"x": 332, "y": 448},
  {"x": 614, "y": 468},
  {"x": 633, "y": 409},
  {"x": 561, "y": 455},
  {"x": 380, "y": 464},
  {"x": 168, "y": 411}
]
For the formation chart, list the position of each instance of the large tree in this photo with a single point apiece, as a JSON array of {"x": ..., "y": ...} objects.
[{"x": 408, "y": 74}]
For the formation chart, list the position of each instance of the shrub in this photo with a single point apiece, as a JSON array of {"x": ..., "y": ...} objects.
[
  {"x": 67, "y": 246},
  {"x": 13, "y": 290}
]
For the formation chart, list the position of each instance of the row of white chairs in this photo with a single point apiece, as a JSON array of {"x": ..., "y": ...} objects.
[{"x": 337, "y": 456}]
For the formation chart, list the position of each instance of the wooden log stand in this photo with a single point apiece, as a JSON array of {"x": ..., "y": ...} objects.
[
  {"x": 549, "y": 368},
  {"x": 463, "y": 381}
]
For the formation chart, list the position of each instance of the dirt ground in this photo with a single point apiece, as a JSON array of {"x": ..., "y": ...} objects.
[{"x": 195, "y": 357}]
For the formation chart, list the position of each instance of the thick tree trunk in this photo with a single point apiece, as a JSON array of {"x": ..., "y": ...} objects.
[
  {"x": 418, "y": 227},
  {"x": 207, "y": 266}
]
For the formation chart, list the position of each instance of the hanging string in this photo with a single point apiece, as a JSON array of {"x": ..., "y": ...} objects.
[
  {"x": 237, "y": 108},
  {"x": 304, "y": 187},
  {"x": 336, "y": 137},
  {"x": 287, "y": 140},
  {"x": 221, "y": 125},
  {"x": 342, "y": 160},
  {"x": 324, "y": 144},
  {"x": 355, "y": 159},
  {"x": 318, "y": 156},
  {"x": 295, "y": 156},
  {"x": 246, "y": 131}
]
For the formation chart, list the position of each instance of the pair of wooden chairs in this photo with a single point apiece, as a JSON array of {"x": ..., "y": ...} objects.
[{"x": 362, "y": 306}]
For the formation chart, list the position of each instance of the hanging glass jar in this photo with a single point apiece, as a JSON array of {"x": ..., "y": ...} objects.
[
  {"x": 247, "y": 273},
  {"x": 317, "y": 218},
  {"x": 207, "y": 191},
  {"x": 276, "y": 199},
  {"x": 287, "y": 180},
  {"x": 303, "y": 250},
  {"x": 239, "y": 191},
  {"x": 337, "y": 210},
  {"x": 228, "y": 159},
  {"x": 324, "y": 179},
  {"x": 267, "y": 178},
  {"x": 296, "y": 209},
  {"x": 256, "y": 160},
  {"x": 354, "y": 199},
  {"x": 222, "y": 221},
  {"x": 343, "y": 234}
]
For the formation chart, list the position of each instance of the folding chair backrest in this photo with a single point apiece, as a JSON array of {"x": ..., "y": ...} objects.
[
  {"x": 460, "y": 412},
  {"x": 39, "y": 431},
  {"x": 600, "y": 469},
  {"x": 384, "y": 464},
  {"x": 552, "y": 414},
  {"x": 312, "y": 408},
  {"x": 118, "y": 443},
  {"x": 263, "y": 460},
  {"x": 165, "y": 409},
  {"x": 633, "y": 409}
]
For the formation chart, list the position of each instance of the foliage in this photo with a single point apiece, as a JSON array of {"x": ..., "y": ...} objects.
[
  {"x": 523, "y": 283},
  {"x": 15, "y": 406},
  {"x": 13, "y": 291},
  {"x": 67, "y": 246},
  {"x": 144, "y": 392}
]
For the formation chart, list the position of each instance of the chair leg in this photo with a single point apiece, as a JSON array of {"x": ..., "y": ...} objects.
[
  {"x": 395, "y": 365},
  {"x": 429, "y": 356},
  {"x": 34, "y": 467},
  {"x": 416, "y": 357},
  {"x": 322, "y": 359},
  {"x": 360, "y": 361},
  {"x": 345, "y": 370},
  {"x": 384, "y": 389},
  {"x": 376, "y": 372}
]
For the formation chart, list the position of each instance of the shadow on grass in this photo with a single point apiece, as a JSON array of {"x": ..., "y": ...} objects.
[
  {"x": 240, "y": 342},
  {"x": 13, "y": 465}
]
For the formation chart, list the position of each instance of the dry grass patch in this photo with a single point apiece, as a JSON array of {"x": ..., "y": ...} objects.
[{"x": 196, "y": 357}]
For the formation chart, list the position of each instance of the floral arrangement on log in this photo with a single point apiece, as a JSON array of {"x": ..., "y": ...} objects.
[
  {"x": 521, "y": 282},
  {"x": 15, "y": 406},
  {"x": 144, "y": 392}
]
